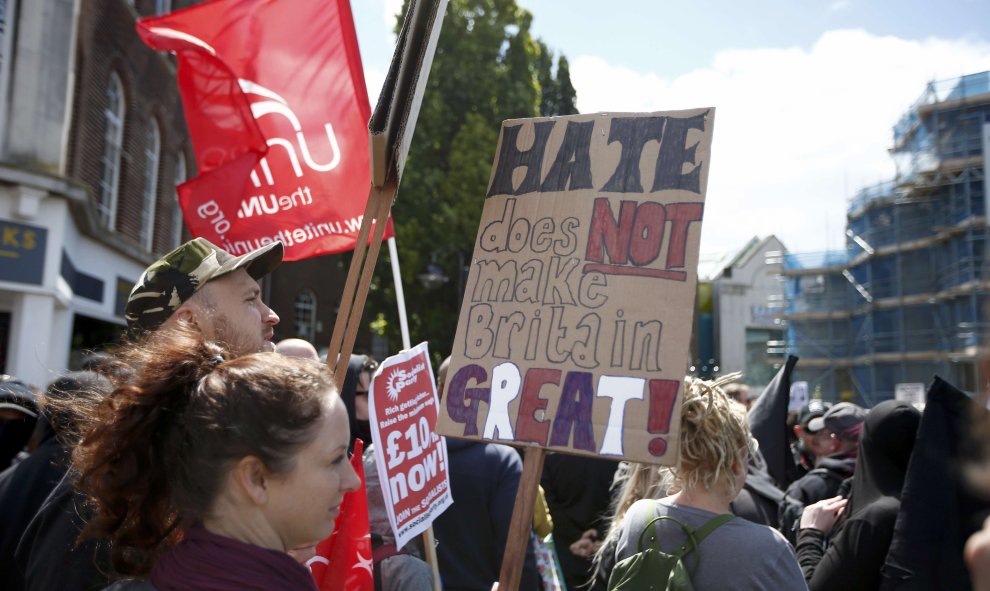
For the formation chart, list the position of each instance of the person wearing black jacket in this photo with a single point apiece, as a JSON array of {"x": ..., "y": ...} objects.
[
  {"x": 25, "y": 486},
  {"x": 18, "y": 415},
  {"x": 577, "y": 492},
  {"x": 472, "y": 533},
  {"x": 858, "y": 547},
  {"x": 839, "y": 429}
]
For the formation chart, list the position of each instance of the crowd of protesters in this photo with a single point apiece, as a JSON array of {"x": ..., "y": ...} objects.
[{"x": 200, "y": 455}]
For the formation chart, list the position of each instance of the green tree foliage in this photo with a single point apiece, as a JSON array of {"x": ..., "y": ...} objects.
[{"x": 487, "y": 68}]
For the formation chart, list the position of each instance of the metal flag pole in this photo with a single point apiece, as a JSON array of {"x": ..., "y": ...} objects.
[{"x": 400, "y": 298}]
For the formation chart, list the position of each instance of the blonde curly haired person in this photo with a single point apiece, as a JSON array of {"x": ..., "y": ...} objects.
[{"x": 715, "y": 444}]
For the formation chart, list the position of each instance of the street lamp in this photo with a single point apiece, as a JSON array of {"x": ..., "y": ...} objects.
[{"x": 433, "y": 276}]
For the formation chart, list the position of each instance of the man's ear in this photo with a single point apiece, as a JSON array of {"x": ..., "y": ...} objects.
[
  {"x": 252, "y": 477},
  {"x": 195, "y": 315},
  {"x": 185, "y": 313}
]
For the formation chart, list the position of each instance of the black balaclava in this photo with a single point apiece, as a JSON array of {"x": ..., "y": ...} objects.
[
  {"x": 885, "y": 447},
  {"x": 359, "y": 429},
  {"x": 14, "y": 435}
]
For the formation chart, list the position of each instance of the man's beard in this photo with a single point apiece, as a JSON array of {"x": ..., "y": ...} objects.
[{"x": 238, "y": 344}]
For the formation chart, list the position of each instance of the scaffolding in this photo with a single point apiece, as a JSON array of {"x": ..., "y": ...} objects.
[{"x": 906, "y": 298}]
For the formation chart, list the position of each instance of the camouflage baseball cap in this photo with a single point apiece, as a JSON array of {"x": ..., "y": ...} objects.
[{"x": 174, "y": 278}]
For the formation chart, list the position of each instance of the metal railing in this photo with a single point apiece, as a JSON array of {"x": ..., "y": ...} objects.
[{"x": 830, "y": 259}]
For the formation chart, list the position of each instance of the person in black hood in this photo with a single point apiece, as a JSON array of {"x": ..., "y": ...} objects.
[
  {"x": 859, "y": 545},
  {"x": 354, "y": 393}
]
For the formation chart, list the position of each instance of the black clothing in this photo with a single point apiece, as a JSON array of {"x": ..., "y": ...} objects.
[
  {"x": 14, "y": 435},
  {"x": 132, "y": 585},
  {"x": 937, "y": 512},
  {"x": 471, "y": 534},
  {"x": 821, "y": 483},
  {"x": 577, "y": 493},
  {"x": 768, "y": 424},
  {"x": 44, "y": 527},
  {"x": 888, "y": 438},
  {"x": 23, "y": 489},
  {"x": 359, "y": 429},
  {"x": 853, "y": 560},
  {"x": 760, "y": 497},
  {"x": 50, "y": 541},
  {"x": 860, "y": 543}
]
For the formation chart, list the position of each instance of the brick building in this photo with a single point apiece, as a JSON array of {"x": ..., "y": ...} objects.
[{"x": 92, "y": 144}]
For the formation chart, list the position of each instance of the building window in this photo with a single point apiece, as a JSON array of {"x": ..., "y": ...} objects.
[
  {"x": 306, "y": 315},
  {"x": 113, "y": 143},
  {"x": 163, "y": 6},
  {"x": 152, "y": 152},
  {"x": 761, "y": 367},
  {"x": 180, "y": 177}
]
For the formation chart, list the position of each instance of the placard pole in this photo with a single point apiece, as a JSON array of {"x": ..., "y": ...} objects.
[{"x": 521, "y": 526}]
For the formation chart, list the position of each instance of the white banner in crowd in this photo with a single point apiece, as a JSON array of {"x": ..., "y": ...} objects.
[
  {"x": 911, "y": 392},
  {"x": 799, "y": 396},
  {"x": 411, "y": 457}
]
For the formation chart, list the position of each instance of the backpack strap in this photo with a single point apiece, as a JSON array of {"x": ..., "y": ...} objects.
[
  {"x": 648, "y": 520},
  {"x": 695, "y": 538},
  {"x": 714, "y": 523}
]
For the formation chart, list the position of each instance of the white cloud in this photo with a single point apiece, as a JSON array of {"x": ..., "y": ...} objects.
[
  {"x": 797, "y": 132},
  {"x": 392, "y": 8}
]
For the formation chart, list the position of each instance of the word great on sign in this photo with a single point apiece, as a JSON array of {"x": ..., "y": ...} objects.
[{"x": 572, "y": 426}]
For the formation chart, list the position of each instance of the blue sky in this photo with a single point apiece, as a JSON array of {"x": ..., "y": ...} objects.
[{"x": 806, "y": 91}]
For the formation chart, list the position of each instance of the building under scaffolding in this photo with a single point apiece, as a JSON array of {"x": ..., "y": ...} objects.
[{"x": 906, "y": 298}]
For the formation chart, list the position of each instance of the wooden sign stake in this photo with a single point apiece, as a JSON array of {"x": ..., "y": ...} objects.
[{"x": 522, "y": 520}]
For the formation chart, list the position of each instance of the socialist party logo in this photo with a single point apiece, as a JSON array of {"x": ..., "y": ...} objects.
[{"x": 399, "y": 379}]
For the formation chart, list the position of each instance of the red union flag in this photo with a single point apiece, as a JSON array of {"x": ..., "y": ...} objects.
[
  {"x": 277, "y": 108},
  {"x": 343, "y": 561},
  {"x": 410, "y": 456}
]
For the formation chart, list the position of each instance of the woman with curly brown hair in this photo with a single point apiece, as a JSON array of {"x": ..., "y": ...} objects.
[
  {"x": 204, "y": 471},
  {"x": 714, "y": 451}
]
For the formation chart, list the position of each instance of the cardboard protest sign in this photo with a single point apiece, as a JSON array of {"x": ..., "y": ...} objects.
[
  {"x": 576, "y": 322},
  {"x": 411, "y": 457}
]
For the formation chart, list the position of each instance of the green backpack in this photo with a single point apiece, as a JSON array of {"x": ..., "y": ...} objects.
[{"x": 653, "y": 569}]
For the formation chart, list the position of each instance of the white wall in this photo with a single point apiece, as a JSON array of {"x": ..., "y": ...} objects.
[{"x": 739, "y": 299}]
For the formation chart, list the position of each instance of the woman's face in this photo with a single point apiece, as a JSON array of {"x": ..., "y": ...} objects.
[
  {"x": 304, "y": 502},
  {"x": 361, "y": 396}
]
